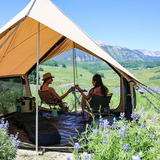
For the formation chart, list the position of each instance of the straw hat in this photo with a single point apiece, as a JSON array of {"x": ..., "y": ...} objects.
[{"x": 47, "y": 75}]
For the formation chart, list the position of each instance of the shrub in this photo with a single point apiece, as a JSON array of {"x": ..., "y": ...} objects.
[
  {"x": 122, "y": 140},
  {"x": 32, "y": 78},
  {"x": 8, "y": 145},
  {"x": 41, "y": 69},
  {"x": 51, "y": 63},
  {"x": 157, "y": 71},
  {"x": 102, "y": 75},
  {"x": 63, "y": 65},
  {"x": 9, "y": 96},
  {"x": 155, "y": 77}
]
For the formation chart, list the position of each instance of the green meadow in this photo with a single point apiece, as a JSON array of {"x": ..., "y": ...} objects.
[
  {"x": 64, "y": 80},
  {"x": 84, "y": 72}
]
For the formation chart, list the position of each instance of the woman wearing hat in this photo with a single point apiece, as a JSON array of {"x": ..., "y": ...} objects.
[{"x": 47, "y": 79}]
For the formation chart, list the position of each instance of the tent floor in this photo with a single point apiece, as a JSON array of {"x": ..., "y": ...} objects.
[{"x": 66, "y": 125}]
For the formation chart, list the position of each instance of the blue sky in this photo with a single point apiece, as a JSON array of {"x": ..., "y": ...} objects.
[{"x": 134, "y": 24}]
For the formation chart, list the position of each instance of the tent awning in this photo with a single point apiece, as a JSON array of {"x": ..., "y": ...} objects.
[{"x": 57, "y": 35}]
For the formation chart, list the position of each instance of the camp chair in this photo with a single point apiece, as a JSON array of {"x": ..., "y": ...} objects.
[
  {"x": 98, "y": 100},
  {"x": 46, "y": 98}
]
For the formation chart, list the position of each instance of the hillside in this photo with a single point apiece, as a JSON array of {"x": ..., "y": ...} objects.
[{"x": 117, "y": 52}]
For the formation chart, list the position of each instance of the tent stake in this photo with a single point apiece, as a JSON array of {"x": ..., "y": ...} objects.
[{"x": 37, "y": 88}]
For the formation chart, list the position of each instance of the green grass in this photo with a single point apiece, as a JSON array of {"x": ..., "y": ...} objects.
[
  {"x": 145, "y": 74},
  {"x": 64, "y": 80},
  {"x": 64, "y": 76}
]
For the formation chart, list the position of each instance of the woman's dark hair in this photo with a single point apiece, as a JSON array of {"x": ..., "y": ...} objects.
[
  {"x": 44, "y": 81},
  {"x": 99, "y": 82}
]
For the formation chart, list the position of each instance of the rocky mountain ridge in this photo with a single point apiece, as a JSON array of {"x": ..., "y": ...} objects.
[{"x": 119, "y": 53}]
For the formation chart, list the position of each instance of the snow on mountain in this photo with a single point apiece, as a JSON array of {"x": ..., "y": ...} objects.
[
  {"x": 143, "y": 51},
  {"x": 149, "y": 53},
  {"x": 100, "y": 43}
]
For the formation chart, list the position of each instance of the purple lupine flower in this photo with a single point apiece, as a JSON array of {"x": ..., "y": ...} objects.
[
  {"x": 16, "y": 136},
  {"x": 89, "y": 89},
  {"x": 101, "y": 123},
  {"x": 4, "y": 133},
  {"x": 114, "y": 124},
  {"x": 106, "y": 123},
  {"x": 134, "y": 115},
  {"x": 68, "y": 158},
  {"x": 126, "y": 147},
  {"x": 11, "y": 136},
  {"x": 11, "y": 89},
  {"x": 104, "y": 133},
  {"x": 152, "y": 136},
  {"x": 122, "y": 131},
  {"x": 18, "y": 142},
  {"x": 122, "y": 134},
  {"x": 155, "y": 89},
  {"x": 143, "y": 111},
  {"x": 117, "y": 90},
  {"x": 95, "y": 131},
  {"x": 77, "y": 146},
  {"x": 6, "y": 125},
  {"x": 137, "y": 140},
  {"x": 136, "y": 157},
  {"x": 122, "y": 114},
  {"x": 142, "y": 127},
  {"x": 86, "y": 157},
  {"x": 32, "y": 89},
  {"x": 105, "y": 141},
  {"x": 2, "y": 120},
  {"x": 64, "y": 86},
  {"x": 154, "y": 119}
]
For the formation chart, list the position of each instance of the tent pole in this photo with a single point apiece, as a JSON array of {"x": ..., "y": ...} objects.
[
  {"x": 74, "y": 77},
  {"x": 28, "y": 91},
  {"x": 132, "y": 97},
  {"x": 37, "y": 88}
]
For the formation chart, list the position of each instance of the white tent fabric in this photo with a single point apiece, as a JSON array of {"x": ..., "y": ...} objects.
[{"x": 45, "y": 12}]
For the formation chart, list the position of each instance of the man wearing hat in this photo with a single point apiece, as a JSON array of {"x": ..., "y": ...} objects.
[{"x": 47, "y": 79}]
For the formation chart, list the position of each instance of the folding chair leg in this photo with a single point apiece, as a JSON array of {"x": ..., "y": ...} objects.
[
  {"x": 52, "y": 113},
  {"x": 50, "y": 106}
]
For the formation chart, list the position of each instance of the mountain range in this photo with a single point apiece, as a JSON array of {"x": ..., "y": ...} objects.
[{"x": 119, "y": 53}]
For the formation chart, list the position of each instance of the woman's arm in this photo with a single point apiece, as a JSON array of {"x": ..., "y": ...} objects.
[
  {"x": 56, "y": 95},
  {"x": 86, "y": 96}
]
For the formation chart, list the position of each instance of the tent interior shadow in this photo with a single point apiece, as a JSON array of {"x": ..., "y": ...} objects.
[{"x": 65, "y": 124}]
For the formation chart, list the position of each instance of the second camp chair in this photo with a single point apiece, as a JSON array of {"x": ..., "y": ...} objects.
[
  {"x": 46, "y": 98},
  {"x": 102, "y": 101}
]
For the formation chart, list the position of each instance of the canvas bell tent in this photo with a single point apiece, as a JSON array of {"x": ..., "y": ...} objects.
[
  {"x": 57, "y": 34},
  {"x": 42, "y": 31}
]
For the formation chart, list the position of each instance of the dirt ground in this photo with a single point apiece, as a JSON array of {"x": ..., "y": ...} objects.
[{"x": 23, "y": 154}]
